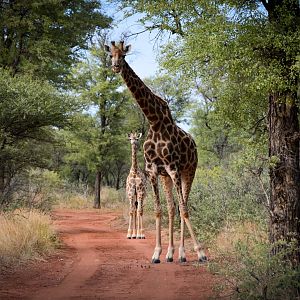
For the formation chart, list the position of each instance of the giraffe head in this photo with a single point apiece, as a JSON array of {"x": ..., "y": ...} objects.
[
  {"x": 117, "y": 54},
  {"x": 134, "y": 138}
]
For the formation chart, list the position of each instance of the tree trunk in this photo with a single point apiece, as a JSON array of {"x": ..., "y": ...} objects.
[
  {"x": 2, "y": 183},
  {"x": 118, "y": 181},
  {"x": 284, "y": 171},
  {"x": 97, "y": 202}
]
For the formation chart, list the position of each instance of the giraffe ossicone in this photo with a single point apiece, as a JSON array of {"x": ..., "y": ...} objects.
[
  {"x": 170, "y": 154},
  {"x": 136, "y": 191}
]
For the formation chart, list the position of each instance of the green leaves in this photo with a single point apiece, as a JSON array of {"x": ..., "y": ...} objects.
[
  {"x": 31, "y": 111},
  {"x": 97, "y": 141},
  {"x": 172, "y": 91},
  {"x": 43, "y": 38},
  {"x": 28, "y": 104}
]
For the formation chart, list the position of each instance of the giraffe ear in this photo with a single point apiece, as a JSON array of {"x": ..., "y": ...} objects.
[
  {"x": 127, "y": 48},
  {"x": 140, "y": 135},
  {"x": 107, "y": 49},
  {"x": 128, "y": 135}
]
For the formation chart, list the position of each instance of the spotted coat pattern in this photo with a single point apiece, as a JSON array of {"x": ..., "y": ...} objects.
[
  {"x": 136, "y": 191},
  {"x": 170, "y": 153}
]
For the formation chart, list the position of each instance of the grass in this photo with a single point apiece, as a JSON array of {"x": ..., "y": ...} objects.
[
  {"x": 242, "y": 257},
  {"x": 110, "y": 199},
  {"x": 232, "y": 234},
  {"x": 25, "y": 234},
  {"x": 73, "y": 201}
]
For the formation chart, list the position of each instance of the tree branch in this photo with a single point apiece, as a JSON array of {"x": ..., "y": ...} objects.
[{"x": 265, "y": 4}]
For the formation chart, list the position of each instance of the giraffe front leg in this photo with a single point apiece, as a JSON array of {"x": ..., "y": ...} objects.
[
  {"x": 157, "y": 208},
  {"x": 140, "y": 234},
  {"x": 133, "y": 236},
  {"x": 129, "y": 231},
  {"x": 168, "y": 186},
  {"x": 138, "y": 216},
  {"x": 171, "y": 249},
  {"x": 131, "y": 218},
  {"x": 157, "y": 249},
  {"x": 181, "y": 250}
]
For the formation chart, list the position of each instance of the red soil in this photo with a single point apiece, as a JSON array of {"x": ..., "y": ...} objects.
[{"x": 96, "y": 261}]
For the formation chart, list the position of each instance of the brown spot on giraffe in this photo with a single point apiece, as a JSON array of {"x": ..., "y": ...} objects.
[{"x": 176, "y": 166}]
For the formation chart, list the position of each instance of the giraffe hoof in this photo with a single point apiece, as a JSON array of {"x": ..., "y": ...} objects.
[
  {"x": 203, "y": 259},
  {"x": 129, "y": 237},
  {"x": 138, "y": 237},
  {"x": 182, "y": 259},
  {"x": 169, "y": 259},
  {"x": 143, "y": 237},
  {"x": 133, "y": 237},
  {"x": 155, "y": 261}
]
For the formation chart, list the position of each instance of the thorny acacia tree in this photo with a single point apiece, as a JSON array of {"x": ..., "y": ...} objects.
[{"x": 246, "y": 54}]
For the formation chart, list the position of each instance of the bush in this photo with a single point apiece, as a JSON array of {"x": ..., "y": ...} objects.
[
  {"x": 34, "y": 189},
  {"x": 249, "y": 269},
  {"x": 221, "y": 196},
  {"x": 112, "y": 198},
  {"x": 25, "y": 234}
]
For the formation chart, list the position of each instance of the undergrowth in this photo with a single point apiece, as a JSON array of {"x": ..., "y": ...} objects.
[
  {"x": 249, "y": 270},
  {"x": 25, "y": 234}
]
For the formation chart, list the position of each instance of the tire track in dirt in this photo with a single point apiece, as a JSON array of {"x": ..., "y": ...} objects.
[
  {"x": 77, "y": 231},
  {"x": 100, "y": 263}
]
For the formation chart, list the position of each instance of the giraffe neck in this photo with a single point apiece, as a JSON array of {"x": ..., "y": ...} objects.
[
  {"x": 134, "y": 165},
  {"x": 155, "y": 109}
]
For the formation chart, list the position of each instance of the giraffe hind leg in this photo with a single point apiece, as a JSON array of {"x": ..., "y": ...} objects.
[{"x": 186, "y": 187}]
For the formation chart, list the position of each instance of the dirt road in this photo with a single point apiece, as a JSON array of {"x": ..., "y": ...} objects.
[{"x": 96, "y": 261}]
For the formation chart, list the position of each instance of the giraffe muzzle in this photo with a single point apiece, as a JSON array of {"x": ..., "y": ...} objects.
[{"x": 116, "y": 68}]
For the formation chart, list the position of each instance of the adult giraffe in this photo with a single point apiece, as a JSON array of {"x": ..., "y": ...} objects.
[
  {"x": 136, "y": 191},
  {"x": 169, "y": 152}
]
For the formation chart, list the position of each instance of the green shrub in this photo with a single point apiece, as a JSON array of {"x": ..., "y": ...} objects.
[
  {"x": 251, "y": 272},
  {"x": 223, "y": 195}
]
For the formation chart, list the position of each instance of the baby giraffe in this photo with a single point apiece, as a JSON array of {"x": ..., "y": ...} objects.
[{"x": 136, "y": 192}]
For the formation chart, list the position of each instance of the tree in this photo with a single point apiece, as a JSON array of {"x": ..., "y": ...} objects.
[
  {"x": 247, "y": 54},
  {"x": 44, "y": 38},
  {"x": 170, "y": 89},
  {"x": 31, "y": 112},
  {"x": 39, "y": 42},
  {"x": 101, "y": 90}
]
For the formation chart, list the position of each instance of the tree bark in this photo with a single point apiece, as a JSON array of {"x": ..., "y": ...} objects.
[
  {"x": 2, "y": 182},
  {"x": 97, "y": 199},
  {"x": 284, "y": 171}
]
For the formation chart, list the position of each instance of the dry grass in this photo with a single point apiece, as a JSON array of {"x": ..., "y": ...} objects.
[
  {"x": 73, "y": 201},
  {"x": 240, "y": 232},
  {"x": 25, "y": 235},
  {"x": 110, "y": 199}
]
